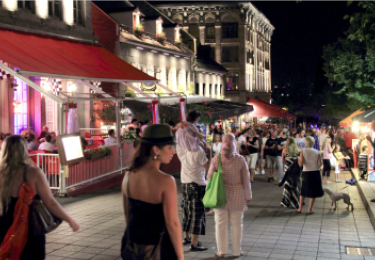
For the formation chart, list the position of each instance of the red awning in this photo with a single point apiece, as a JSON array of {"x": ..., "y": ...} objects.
[
  {"x": 263, "y": 109},
  {"x": 37, "y": 55}
]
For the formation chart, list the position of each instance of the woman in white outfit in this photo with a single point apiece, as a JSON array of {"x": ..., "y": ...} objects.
[{"x": 238, "y": 191}]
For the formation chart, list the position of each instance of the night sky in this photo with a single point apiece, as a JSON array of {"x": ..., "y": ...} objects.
[{"x": 302, "y": 29}]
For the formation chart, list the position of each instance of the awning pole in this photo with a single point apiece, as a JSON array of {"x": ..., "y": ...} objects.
[
  {"x": 136, "y": 89},
  {"x": 31, "y": 84},
  {"x": 168, "y": 90},
  {"x": 118, "y": 131}
]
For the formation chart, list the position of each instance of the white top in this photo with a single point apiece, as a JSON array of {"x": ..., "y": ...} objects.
[
  {"x": 310, "y": 160},
  {"x": 46, "y": 146},
  {"x": 186, "y": 137},
  {"x": 321, "y": 138},
  {"x": 216, "y": 147},
  {"x": 110, "y": 140},
  {"x": 326, "y": 153},
  {"x": 192, "y": 163}
]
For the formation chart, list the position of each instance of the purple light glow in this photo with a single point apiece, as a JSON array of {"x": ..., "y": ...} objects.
[
  {"x": 165, "y": 53},
  {"x": 139, "y": 48},
  {"x": 154, "y": 51},
  {"x": 178, "y": 56}
]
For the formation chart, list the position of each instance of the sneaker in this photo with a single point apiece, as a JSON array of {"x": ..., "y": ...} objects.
[
  {"x": 198, "y": 247},
  {"x": 186, "y": 241}
]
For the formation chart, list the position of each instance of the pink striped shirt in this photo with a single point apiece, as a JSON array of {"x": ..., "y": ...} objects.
[{"x": 236, "y": 180}]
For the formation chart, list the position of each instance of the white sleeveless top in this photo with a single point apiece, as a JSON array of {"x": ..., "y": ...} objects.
[
  {"x": 216, "y": 147},
  {"x": 310, "y": 160}
]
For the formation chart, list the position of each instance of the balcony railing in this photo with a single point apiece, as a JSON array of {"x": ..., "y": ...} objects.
[{"x": 148, "y": 35}]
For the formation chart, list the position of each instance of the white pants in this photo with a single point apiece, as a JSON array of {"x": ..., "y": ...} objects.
[
  {"x": 281, "y": 167},
  {"x": 221, "y": 220}
]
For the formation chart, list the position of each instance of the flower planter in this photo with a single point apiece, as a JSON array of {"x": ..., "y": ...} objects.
[{"x": 94, "y": 156}]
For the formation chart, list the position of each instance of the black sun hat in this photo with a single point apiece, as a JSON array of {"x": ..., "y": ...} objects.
[{"x": 157, "y": 134}]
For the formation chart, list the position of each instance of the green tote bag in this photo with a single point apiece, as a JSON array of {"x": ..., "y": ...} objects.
[{"x": 215, "y": 196}]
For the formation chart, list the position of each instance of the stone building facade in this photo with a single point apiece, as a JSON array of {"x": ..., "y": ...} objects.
[{"x": 240, "y": 40}]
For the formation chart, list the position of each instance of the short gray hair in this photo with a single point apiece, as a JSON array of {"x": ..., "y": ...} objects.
[{"x": 310, "y": 141}]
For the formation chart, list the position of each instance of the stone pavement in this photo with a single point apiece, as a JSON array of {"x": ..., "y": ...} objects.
[{"x": 270, "y": 231}]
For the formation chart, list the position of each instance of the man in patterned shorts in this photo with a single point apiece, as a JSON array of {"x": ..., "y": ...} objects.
[{"x": 193, "y": 180}]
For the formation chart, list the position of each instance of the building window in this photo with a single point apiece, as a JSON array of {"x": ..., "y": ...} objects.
[
  {"x": 267, "y": 65},
  {"x": 78, "y": 12},
  {"x": 54, "y": 9},
  {"x": 216, "y": 91},
  {"x": 210, "y": 31},
  {"x": 27, "y": 5},
  {"x": 20, "y": 107},
  {"x": 229, "y": 53},
  {"x": 204, "y": 90},
  {"x": 229, "y": 30},
  {"x": 248, "y": 33},
  {"x": 197, "y": 88},
  {"x": 232, "y": 81},
  {"x": 210, "y": 90},
  {"x": 212, "y": 53},
  {"x": 194, "y": 30}
]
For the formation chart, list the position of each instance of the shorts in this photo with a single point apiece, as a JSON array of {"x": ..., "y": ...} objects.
[
  {"x": 272, "y": 162},
  {"x": 253, "y": 160}
]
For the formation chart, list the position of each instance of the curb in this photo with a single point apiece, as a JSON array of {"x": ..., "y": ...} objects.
[{"x": 366, "y": 201}]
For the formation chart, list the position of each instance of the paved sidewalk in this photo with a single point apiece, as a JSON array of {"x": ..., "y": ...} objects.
[{"x": 270, "y": 231}]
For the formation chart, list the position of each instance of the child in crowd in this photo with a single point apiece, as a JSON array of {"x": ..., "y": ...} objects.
[
  {"x": 216, "y": 145},
  {"x": 339, "y": 161},
  {"x": 362, "y": 165}
]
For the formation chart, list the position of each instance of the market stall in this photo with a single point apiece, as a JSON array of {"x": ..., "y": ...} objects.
[{"x": 363, "y": 122}]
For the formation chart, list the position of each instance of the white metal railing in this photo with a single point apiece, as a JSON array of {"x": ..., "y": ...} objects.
[
  {"x": 94, "y": 131},
  {"x": 62, "y": 178},
  {"x": 50, "y": 165}
]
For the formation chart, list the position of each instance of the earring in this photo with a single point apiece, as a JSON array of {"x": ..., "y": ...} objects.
[{"x": 156, "y": 157}]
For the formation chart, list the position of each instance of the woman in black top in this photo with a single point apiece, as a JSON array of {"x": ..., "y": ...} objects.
[
  {"x": 253, "y": 147},
  {"x": 150, "y": 200}
]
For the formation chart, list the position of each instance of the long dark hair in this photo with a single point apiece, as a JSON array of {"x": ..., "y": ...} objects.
[{"x": 141, "y": 155}]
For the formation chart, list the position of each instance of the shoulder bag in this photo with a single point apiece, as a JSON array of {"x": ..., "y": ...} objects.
[
  {"x": 41, "y": 220},
  {"x": 133, "y": 251},
  {"x": 215, "y": 196}
]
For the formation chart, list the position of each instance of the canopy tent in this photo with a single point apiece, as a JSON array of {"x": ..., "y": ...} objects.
[
  {"x": 220, "y": 109},
  {"x": 347, "y": 122},
  {"x": 263, "y": 109},
  {"x": 36, "y": 55},
  {"x": 365, "y": 117}
]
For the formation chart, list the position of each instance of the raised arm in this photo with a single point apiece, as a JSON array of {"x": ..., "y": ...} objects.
[{"x": 44, "y": 191}]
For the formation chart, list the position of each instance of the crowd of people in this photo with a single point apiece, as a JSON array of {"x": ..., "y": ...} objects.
[
  {"x": 45, "y": 141},
  {"x": 293, "y": 157}
]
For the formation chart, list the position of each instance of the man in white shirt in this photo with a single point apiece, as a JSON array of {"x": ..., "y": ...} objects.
[
  {"x": 193, "y": 172},
  {"x": 47, "y": 145},
  {"x": 111, "y": 138}
]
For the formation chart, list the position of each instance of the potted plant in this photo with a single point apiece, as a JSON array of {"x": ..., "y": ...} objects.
[
  {"x": 129, "y": 136},
  {"x": 160, "y": 37},
  {"x": 178, "y": 43},
  {"x": 139, "y": 30},
  {"x": 97, "y": 153}
]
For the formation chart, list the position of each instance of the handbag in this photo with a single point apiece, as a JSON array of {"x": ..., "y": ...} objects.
[
  {"x": 134, "y": 251},
  {"x": 41, "y": 220},
  {"x": 244, "y": 150},
  {"x": 215, "y": 196}
]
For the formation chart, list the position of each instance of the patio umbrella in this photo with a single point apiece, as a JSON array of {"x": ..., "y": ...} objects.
[{"x": 366, "y": 117}]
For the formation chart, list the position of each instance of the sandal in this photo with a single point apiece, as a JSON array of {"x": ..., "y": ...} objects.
[{"x": 220, "y": 255}]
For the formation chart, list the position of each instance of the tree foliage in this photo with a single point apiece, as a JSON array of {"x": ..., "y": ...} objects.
[{"x": 350, "y": 62}]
